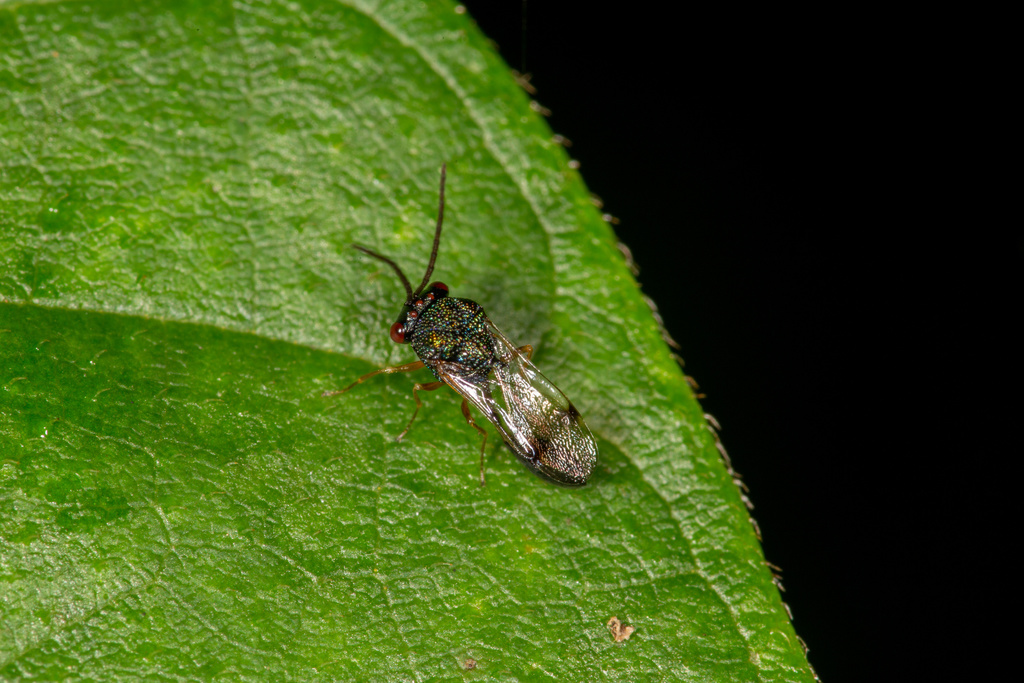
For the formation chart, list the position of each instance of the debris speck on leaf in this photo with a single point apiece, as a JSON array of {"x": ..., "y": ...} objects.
[
  {"x": 470, "y": 663},
  {"x": 620, "y": 632}
]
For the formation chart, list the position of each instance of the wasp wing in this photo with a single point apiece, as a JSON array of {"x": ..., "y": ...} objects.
[{"x": 537, "y": 421}]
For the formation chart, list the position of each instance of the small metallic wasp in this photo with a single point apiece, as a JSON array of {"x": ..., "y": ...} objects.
[{"x": 456, "y": 341}]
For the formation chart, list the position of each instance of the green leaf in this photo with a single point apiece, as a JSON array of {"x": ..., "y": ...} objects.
[{"x": 178, "y": 186}]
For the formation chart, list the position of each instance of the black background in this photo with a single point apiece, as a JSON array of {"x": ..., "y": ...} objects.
[{"x": 779, "y": 180}]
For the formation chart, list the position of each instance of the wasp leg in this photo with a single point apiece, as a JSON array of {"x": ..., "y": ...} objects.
[
  {"x": 528, "y": 350},
  {"x": 408, "y": 367},
  {"x": 483, "y": 444},
  {"x": 429, "y": 386}
]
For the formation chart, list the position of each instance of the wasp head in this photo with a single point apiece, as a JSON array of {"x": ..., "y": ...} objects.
[{"x": 413, "y": 309}]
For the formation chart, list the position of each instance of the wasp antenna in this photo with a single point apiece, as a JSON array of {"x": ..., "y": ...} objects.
[
  {"x": 385, "y": 259},
  {"x": 437, "y": 234}
]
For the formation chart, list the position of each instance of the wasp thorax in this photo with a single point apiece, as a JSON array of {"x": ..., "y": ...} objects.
[{"x": 413, "y": 309}]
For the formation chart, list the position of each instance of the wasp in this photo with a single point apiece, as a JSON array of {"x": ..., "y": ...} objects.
[{"x": 464, "y": 350}]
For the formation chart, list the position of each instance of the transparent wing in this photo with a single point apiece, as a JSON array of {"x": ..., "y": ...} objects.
[{"x": 536, "y": 420}]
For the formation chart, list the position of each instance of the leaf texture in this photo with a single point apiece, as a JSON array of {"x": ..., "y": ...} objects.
[{"x": 179, "y": 183}]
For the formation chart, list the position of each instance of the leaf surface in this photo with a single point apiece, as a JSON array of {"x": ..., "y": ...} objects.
[{"x": 179, "y": 183}]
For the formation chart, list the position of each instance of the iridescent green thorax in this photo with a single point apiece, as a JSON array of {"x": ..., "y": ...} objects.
[{"x": 454, "y": 330}]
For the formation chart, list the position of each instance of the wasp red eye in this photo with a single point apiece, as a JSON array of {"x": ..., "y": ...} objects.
[
  {"x": 439, "y": 286},
  {"x": 398, "y": 333}
]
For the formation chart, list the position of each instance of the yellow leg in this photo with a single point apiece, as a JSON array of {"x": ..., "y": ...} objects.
[
  {"x": 429, "y": 386},
  {"x": 528, "y": 350},
  {"x": 408, "y": 367}
]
